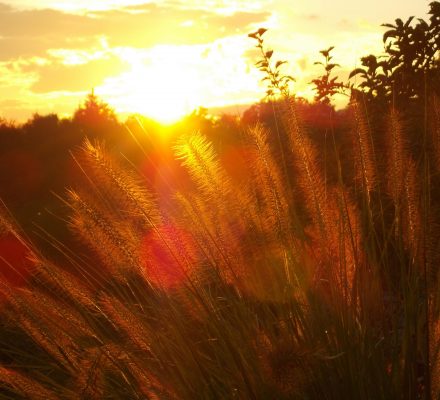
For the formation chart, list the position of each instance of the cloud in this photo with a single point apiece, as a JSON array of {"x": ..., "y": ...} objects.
[
  {"x": 32, "y": 32},
  {"x": 12, "y": 48},
  {"x": 12, "y": 103},
  {"x": 52, "y": 74},
  {"x": 76, "y": 78},
  {"x": 36, "y": 44},
  {"x": 154, "y": 25},
  {"x": 37, "y": 23}
]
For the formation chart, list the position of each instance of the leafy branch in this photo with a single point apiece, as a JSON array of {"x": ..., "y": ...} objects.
[
  {"x": 410, "y": 62},
  {"x": 326, "y": 86},
  {"x": 278, "y": 83}
]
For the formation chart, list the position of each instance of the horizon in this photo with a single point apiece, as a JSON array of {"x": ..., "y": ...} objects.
[{"x": 164, "y": 59}]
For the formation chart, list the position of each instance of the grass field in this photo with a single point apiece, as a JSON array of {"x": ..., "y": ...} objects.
[{"x": 294, "y": 257}]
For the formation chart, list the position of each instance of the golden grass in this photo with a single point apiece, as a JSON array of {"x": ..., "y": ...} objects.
[{"x": 282, "y": 285}]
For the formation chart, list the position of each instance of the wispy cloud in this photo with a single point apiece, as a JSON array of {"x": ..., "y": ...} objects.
[{"x": 31, "y": 32}]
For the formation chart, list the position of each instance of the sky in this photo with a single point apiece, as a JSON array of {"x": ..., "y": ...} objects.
[{"x": 165, "y": 58}]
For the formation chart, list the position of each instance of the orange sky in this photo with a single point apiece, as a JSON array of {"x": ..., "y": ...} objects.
[{"x": 165, "y": 58}]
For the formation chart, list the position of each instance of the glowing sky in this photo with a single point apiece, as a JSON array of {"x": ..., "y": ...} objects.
[{"x": 165, "y": 58}]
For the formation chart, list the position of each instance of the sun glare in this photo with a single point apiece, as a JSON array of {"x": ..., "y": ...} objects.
[
  {"x": 168, "y": 82},
  {"x": 159, "y": 87}
]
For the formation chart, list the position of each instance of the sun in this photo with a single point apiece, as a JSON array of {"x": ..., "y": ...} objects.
[
  {"x": 162, "y": 94},
  {"x": 159, "y": 87}
]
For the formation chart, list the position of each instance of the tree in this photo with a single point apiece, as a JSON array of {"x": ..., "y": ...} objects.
[
  {"x": 410, "y": 63},
  {"x": 95, "y": 117}
]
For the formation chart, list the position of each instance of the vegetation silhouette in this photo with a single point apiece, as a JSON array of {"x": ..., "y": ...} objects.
[
  {"x": 410, "y": 63},
  {"x": 289, "y": 254}
]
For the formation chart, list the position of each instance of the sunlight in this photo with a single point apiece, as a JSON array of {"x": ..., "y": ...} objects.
[
  {"x": 158, "y": 94},
  {"x": 159, "y": 87},
  {"x": 168, "y": 82}
]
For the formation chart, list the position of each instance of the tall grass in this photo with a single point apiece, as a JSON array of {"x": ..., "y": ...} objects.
[{"x": 281, "y": 285}]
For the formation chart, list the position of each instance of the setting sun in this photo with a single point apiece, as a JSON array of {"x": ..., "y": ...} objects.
[
  {"x": 167, "y": 82},
  {"x": 159, "y": 86}
]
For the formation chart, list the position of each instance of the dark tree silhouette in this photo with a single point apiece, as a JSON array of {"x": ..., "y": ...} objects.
[
  {"x": 95, "y": 118},
  {"x": 410, "y": 63}
]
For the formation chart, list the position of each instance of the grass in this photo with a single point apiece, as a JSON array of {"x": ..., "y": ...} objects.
[
  {"x": 275, "y": 283},
  {"x": 273, "y": 264}
]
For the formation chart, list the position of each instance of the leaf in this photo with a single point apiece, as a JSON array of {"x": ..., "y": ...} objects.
[
  {"x": 262, "y": 63},
  {"x": 289, "y": 78},
  {"x": 369, "y": 61},
  {"x": 408, "y": 21},
  {"x": 389, "y": 26},
  {"x": 279, "y": 63},
  {"x": 326, "y": 52},
  {"x": 389, "y": 34},
  {"x": 423, "y": 24},
  {"x": 329, "y": 67},
  {"x": 399, "y": 23},
  {"x": 355, "y": 72},
  {"x": 257, "y": 35},
  {"x": 269, "y": 54}
]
